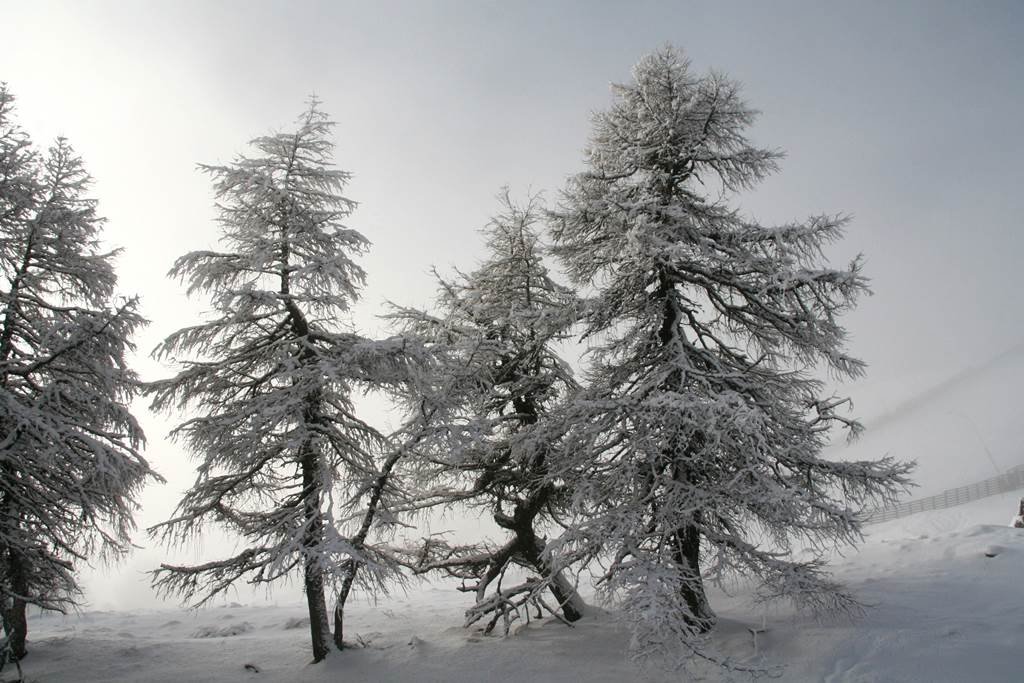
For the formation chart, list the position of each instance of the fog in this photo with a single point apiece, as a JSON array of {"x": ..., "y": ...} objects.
[{"x": 904, "y": 116}]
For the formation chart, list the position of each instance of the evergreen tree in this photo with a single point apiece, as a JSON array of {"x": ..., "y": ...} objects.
[
  {"x": 284, "y": 461},
  {"x": 695, "y": 451},
  {"x": 493, "y": 394},
  {"x": 70, "y": 466}
]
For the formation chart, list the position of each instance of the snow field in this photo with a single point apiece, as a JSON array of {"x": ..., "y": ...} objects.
[{"x": 939, "y": 610}]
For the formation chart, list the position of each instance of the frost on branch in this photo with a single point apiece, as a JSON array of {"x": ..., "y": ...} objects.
[
  {"x": 267, "y": 382},
  {"x": 694, "y": 452},
  {"x": 70, "y": 462},
  {"x": 489, "y": 441}
]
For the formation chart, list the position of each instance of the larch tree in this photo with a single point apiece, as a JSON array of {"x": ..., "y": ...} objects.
[
  {"x": 695, "y": 452},
  {"x": 285, "y": 463},
  {"x": 70, "y": 461},
  {"x": 489, "y": 436}
]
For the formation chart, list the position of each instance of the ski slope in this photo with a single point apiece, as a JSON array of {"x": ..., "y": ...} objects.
[
  {"x": 939, "y": 609},
  {"x": 960, "y": 430}
]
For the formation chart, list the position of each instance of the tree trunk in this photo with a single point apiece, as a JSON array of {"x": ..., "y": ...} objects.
[
  {"x": 339, "y": 606},
  {"x": 339, "y": 624},
  {"x": 319, "y": 627},
  {"x": 686, "y": 539},
  {"x": 531, "y": 551},
  {"x": 15, "y": 623},
  {"x": 687, "y": 555},
  {"x": 568, "y": 599},
  {"x": 565, "y": 593},
  {"x": 357, "y": 541},
  {"x": 16, "y": 629}
]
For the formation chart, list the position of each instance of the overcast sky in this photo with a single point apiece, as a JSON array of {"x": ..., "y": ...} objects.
[{"x": 905, "y": 115}]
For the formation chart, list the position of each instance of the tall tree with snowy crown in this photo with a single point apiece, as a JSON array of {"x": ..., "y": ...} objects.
[
  {"x": 283, "y": 459},
  {"x": 70, "y": 465},
  {"x": 490, "y": 437},
  {"x": 695, "y": 451}
]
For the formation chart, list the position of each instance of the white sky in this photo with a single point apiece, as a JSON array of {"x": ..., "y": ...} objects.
[{"x": 905, "y": 115}]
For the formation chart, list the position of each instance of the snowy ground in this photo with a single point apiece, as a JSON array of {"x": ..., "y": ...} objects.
[{"x": 942, "y": 610}]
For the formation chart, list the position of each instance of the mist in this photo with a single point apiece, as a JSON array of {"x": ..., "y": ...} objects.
[{"x": 901, "y": 116}]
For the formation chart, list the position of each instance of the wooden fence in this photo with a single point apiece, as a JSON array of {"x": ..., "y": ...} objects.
[{"x": 1011, "y": 480}]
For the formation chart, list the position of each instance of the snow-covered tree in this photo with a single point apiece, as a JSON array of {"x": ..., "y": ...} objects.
[
  {"x": 284, "y": 461},
  {"x": 489, "y": 439},
  {"x": 70, "y": 466},
  {"x": 695, "y": 453}
]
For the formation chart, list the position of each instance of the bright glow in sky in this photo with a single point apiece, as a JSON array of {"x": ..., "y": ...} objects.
[{"x": 905, "y": 115}]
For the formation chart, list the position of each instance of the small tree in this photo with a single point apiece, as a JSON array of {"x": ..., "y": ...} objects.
[
  {"x": 283, "y": 458},
  {"x": 492, "y": 398},
  {"x": 695, "y": 452},
  {"x": 70, "y": 467}
]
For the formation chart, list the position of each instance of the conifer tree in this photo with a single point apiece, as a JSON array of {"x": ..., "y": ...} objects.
[
  {"x": 70, "y": 464},
  {"x": 495, "y": 389},
  {"x": 695, "y": 453},
  {"x": 284, "y": 461}
]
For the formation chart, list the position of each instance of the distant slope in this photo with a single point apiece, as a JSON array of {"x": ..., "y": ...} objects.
[
  {"x": 968, "y": 427},
  {"x": 986, "y": 371}
]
